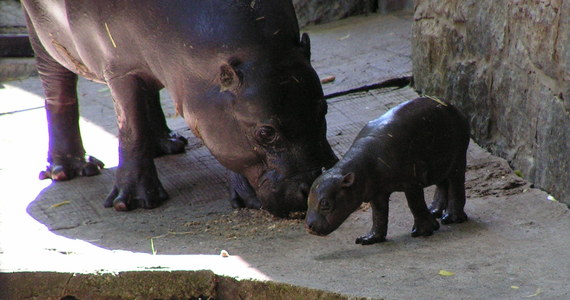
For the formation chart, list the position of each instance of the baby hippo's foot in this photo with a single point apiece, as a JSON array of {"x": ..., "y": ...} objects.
[
  {"x": 70, "y": 167},
  {"x": 435, "y": 210},
  {"x": 370, "y": 238},
  {"x": 170, "y": 144},
  {"x": 425, "y": 227},
  {"x": 449, "y": 218}
]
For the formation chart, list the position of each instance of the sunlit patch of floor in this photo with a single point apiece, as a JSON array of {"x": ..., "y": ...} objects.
[{"x": 32, "y": 247}]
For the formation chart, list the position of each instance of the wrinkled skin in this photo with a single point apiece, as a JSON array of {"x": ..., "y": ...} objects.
[
  {"x": 414, "y": 145},
  {"x": 238, "y": 71}
]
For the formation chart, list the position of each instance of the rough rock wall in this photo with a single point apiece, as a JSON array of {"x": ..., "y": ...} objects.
[
  {"x": 506, "y": 63},
  {"x": 323, "y": 11}
]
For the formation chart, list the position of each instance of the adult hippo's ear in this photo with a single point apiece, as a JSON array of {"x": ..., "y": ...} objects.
[
  {"x": 230, "y": 78},
  {"x": 306, "y": 45}
]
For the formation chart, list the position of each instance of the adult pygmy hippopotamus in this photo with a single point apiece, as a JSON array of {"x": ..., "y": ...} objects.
[
  {"x": 239, "y": 74},
  {"x": 414, "y": 145}
]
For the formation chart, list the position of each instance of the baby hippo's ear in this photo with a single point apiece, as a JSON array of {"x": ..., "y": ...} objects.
[
  {"x": 306, "y": 46},
  {"x": 348, "y": 180}
]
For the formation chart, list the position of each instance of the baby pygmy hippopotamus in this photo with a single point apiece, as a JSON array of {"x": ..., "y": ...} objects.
[{"x": 416, "y": 144}]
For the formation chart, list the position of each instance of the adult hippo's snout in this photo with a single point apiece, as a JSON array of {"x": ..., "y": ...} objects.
[{"x": 280, "y": 195}]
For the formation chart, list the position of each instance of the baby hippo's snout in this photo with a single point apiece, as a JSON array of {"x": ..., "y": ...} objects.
[{"x": 314, "y": 224}]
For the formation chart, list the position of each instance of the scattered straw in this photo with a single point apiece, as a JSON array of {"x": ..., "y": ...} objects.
[
  {"x": 110, "y": 36},
  {"x": 436, "y": 100}
]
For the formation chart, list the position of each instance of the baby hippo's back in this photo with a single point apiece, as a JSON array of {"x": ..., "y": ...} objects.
[{"x": 414, "y": 142}]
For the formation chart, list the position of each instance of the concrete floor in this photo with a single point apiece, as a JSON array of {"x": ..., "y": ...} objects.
[{"x": 514, "y": 246}]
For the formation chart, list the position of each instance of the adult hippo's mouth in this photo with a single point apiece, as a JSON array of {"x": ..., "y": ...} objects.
[{"x": 282, "y": 195}]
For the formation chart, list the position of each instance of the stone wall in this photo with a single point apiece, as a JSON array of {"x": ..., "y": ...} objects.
[
  {"x": 323, "y": 11},
  {"x": 506, "y": 63},
  {"x": 11, "y": 17}
]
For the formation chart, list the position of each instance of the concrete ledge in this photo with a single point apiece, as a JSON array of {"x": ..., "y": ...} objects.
[
  {"x": 17, "y": 68},
  {"x": 148, "y": 285}
]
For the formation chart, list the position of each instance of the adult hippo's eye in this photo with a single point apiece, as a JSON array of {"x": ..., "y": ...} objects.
[{"x": 266, "y": 134}]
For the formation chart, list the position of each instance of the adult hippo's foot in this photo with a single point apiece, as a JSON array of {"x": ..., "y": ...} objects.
[
  {"x": 242, "y": 194},
  {"x": 145, "y": 194},
  {"x": 69, "y": 168},
  {"x": 173, "y": 143}
]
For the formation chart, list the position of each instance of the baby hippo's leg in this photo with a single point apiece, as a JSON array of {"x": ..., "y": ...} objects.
[
  {"x": 454, "y": 212},
  {"x": 424, "y": 222},
  {"x": 379, "y": 222},
  {"x": 439, "y": 203}
]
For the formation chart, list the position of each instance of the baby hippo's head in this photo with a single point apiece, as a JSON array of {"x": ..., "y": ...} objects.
[{"x": 331, "y": 200}]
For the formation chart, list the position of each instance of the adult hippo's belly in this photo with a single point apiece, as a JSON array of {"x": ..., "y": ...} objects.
[{"x": 238, "y": 71}]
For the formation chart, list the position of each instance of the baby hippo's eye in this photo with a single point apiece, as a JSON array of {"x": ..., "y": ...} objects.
[{"x": 324, "y": 205}]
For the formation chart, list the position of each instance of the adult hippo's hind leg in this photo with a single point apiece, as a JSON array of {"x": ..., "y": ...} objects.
[
  {"x": 66, "y": 155},
  {"x": 136, "y": 182},
  {"x": 166, "y": 141}
]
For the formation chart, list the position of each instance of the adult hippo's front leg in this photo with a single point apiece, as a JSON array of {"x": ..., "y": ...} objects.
[
  {"x": 136, "y": 182},
  {"x": 166, "y": 141},
  {"x": 242, "y": 195}
]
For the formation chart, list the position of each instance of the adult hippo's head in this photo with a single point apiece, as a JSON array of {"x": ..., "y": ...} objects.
[{"x": 263, "y": 117}]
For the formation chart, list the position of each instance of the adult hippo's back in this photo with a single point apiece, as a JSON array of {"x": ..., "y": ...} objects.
[{"x": 239, "y": 74}]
